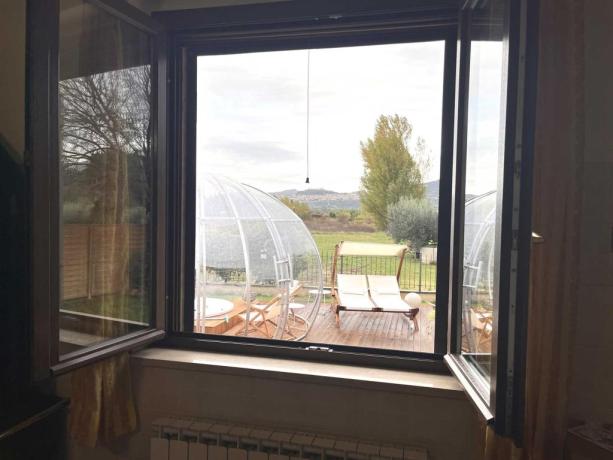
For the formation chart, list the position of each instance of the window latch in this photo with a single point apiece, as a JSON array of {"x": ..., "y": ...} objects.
[{"x": 316, "y": 348}]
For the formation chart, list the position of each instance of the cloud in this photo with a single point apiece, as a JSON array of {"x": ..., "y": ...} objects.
[
  {"x": 252, "y": 111},
  {"x": 239, "y": 152}
]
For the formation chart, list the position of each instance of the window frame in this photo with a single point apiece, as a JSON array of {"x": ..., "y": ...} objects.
[
  {"x": 291, "y": 25},
  {"x": 503, "y": 405},
  {"x": 42, "y": 157},
  {"x": 285, "y": 27}
]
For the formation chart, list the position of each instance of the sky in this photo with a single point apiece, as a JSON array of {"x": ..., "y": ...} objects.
[
  {"x": 252, "y": 113},
  {"x": 484, "y": 117}
]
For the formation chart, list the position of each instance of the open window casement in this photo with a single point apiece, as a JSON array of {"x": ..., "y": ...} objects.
[
  {"x": 491, "y": 229},
  {"x": 97, "y": 164}
]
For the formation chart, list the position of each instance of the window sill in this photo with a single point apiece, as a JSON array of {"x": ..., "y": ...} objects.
[{"x": 423, "y": 383}]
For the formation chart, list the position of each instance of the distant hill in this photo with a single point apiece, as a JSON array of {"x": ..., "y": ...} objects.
[{"x": 322, "y": 200}]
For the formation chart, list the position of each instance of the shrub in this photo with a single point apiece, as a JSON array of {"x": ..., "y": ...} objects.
[
  {"x": 413, "y": 221},
  {"x": 302, "y": 210}
]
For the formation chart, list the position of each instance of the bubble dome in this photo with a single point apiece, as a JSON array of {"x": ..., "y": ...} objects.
[
  {"x": 479, "y": 239},
  {"x": 258, "y": 270},
  {"x": 479, "y": 264}
]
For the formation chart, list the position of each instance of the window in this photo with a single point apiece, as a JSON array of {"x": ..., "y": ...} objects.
[
  {"x": 363, "y": 124},
  {"x": 483, "y": 187},
  {"x": 106, "y": 178},
  {"x": 492, "y": 210},
  {"x": 94, "y": 267},
  {"x": 350, "y": 187}
]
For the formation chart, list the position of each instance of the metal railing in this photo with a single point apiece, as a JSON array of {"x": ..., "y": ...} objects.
[{"x": 415, "y": 275}]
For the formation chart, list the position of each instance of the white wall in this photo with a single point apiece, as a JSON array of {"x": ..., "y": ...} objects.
[{"x": 592, "y": 382}]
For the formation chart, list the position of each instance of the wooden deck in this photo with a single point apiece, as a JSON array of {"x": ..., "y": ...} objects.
[
  {"x": 374, "y": 330},
  {"x": 363, "y": 329}
]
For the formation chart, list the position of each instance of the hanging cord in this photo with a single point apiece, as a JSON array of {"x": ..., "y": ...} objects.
[{"x": 308, "y": 112}]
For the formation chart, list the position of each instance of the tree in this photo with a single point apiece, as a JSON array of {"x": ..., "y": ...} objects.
[
  {"x": 413, "y": 220},
  {"x": 301, "y": 209},
  {"x": 106, "y": 142},
  {"x": 390, "y": 171}
]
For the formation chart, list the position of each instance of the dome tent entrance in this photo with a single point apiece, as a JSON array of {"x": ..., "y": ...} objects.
[{"x": 255, "y": 257}]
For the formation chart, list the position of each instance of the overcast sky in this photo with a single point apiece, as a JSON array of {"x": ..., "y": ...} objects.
[{"x": 252, "y": 112}]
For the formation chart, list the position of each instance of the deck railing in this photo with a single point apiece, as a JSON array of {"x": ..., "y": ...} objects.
[{"x": 415, "y": 275}]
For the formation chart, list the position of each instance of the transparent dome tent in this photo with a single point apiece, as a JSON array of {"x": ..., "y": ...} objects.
[
  {"x": 258, "y": 270},
  {"x": 479, "y": 259}
]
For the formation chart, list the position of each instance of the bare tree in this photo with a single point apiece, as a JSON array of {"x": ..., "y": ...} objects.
[
  {"x": 105, "y": 129},
  {"x": 106, "y": 166}
]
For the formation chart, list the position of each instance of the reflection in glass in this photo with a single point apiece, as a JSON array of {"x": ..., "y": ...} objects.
[
  {"x": 484, "y": 161},
  {"x": 105, "y": 174}
]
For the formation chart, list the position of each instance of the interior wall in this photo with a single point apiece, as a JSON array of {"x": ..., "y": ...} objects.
[
  {"x": 591, "y": 396},
  {"x": 13, "y": 72},
  {"x": 447, "y": 425}
]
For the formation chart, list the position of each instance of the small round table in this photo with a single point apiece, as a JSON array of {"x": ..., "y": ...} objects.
[
  {"x": 314, "y": 292},
  {"x": 217, "y": 307}
]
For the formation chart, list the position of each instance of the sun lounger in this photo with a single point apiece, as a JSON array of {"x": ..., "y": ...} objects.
[
  {"x": 352, "y": 292},
  {"x": 385, "y": 293}
]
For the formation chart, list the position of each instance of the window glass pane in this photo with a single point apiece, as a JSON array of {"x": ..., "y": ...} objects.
[
  {"x": 364, "y": 124},
  {"x": 484, "y": 163},
  {"x": 105, "y": 174}
]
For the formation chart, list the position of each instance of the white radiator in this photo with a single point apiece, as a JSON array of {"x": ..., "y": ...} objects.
[{"x": 177, "y": 439}]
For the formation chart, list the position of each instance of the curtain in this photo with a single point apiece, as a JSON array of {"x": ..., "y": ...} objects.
[
  {"x": 105, "y": 139},
  {"x": 102, "y": 406},
  {"x": 556, "y": 206}
]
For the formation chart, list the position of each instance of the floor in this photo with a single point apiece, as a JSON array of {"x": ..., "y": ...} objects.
[
  {"x": 364, "y": 329},
  {"x": 374, "y": 330}
]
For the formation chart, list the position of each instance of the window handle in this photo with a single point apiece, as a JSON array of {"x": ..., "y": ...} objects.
[{"x": 537, "y": 239}]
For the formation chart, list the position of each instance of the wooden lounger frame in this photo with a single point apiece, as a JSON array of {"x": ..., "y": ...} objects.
[{"x": 338, "y": 307}]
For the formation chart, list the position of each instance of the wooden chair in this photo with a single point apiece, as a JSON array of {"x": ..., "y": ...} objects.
[{"x": 260, "y": 316}]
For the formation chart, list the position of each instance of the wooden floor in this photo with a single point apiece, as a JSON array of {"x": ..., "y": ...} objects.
[
  {"x": 362, "y": 329},
  {"x": 374, "y": 330}
]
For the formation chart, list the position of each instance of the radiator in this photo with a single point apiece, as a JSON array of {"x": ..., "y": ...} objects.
[{"x": 179, "y": 439}]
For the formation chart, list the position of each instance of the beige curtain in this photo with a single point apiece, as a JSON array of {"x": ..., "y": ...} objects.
[
  {"x": 557, "y": 173},
  {"x": 102, "y": 406}
]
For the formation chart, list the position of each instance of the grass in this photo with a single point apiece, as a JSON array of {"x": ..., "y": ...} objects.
[
  {"x": 132, "y": 308},
  {"x": 327, "y": 240},
  {"x": 410, "y": 276}
]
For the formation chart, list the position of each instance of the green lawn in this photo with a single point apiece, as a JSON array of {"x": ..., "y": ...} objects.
[
  {"x": 410, "y": 277},
  {"x": 327, "y": 240}
]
